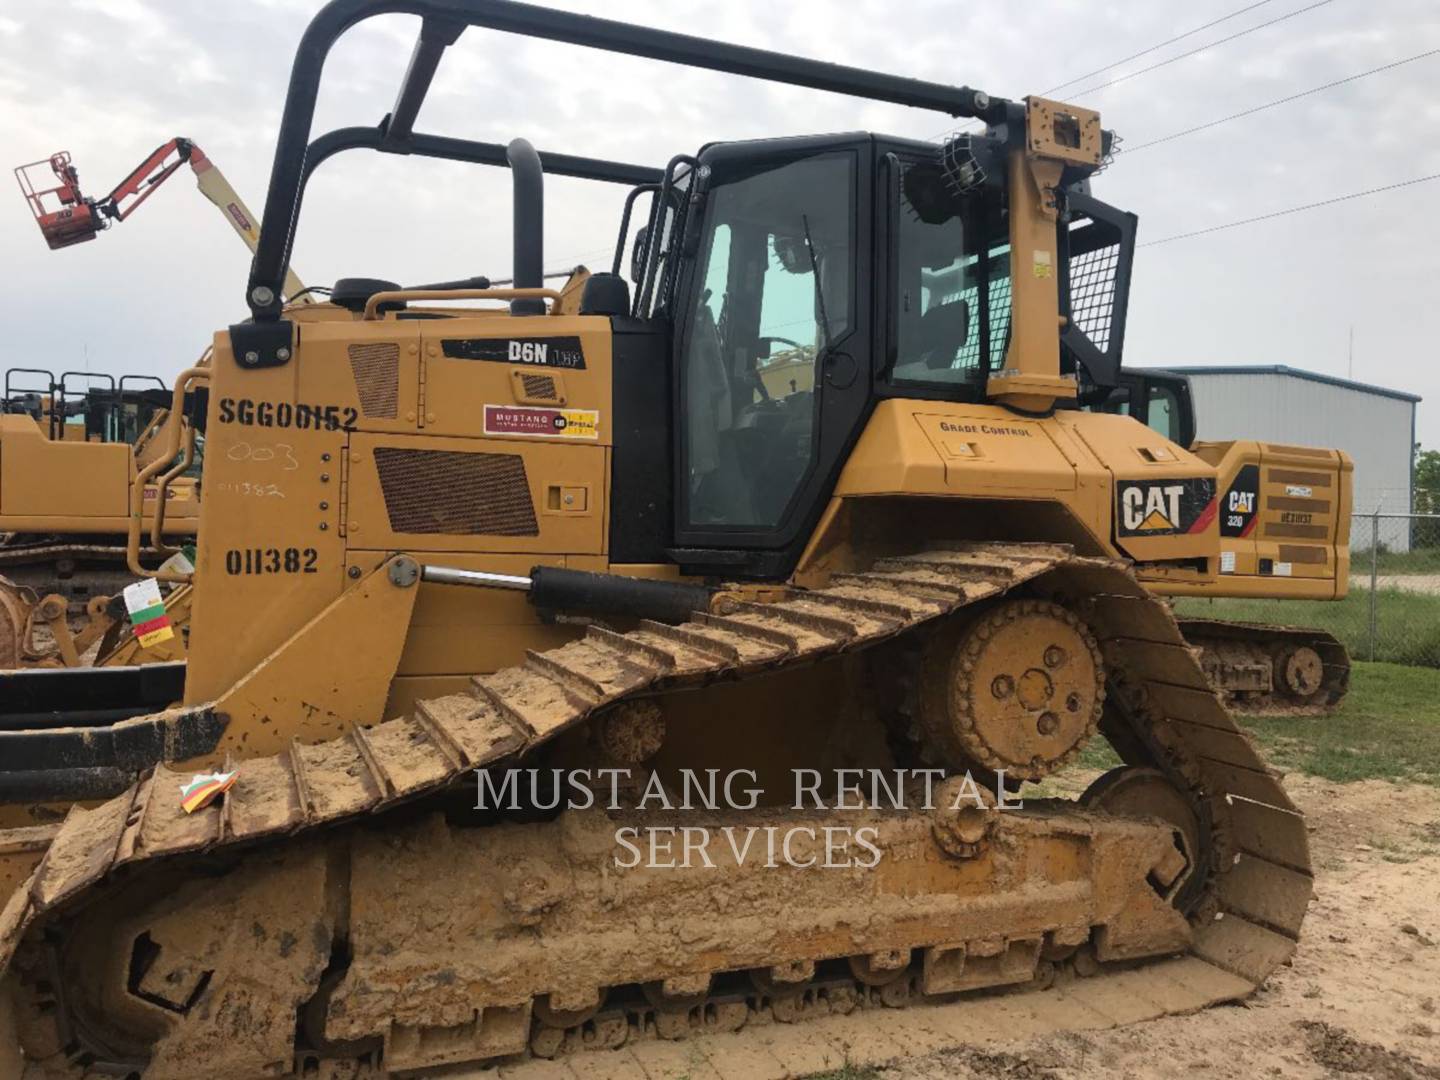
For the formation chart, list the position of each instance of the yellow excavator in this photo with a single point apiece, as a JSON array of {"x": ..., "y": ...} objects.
[
  {"x": 491, "y": 582},
  {"x": 1284, "y": 519}
]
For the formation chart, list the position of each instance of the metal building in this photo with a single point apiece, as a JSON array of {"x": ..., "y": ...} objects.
[{"x": 1276, "y": 403}]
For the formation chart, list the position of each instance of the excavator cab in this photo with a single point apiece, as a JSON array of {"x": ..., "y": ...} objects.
[{"x": 1158, "y": 399}]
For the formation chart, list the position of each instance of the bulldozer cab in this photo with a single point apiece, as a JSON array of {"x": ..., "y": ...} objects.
[
  {"x": 814, "y": 278},
  {"x": 809, "y": 279}
]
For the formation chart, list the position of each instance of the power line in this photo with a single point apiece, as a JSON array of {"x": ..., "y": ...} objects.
[
  {"x": 1294, "y": 210},
  {"x": 1173, "y": 59},
  {"x": 1201, "y": 48},
  {"x": 1281, "y": 101},
  {"x": 1153, "y": 48}
]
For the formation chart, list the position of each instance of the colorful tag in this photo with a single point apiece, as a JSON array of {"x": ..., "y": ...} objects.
[
  {"x": 182, "y": 562},
  {"x": 205, "y": 788},
  {"x": 147, "y": 613}
]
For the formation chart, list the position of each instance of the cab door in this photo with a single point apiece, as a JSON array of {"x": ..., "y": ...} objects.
[{"x": 773, "y": 347}]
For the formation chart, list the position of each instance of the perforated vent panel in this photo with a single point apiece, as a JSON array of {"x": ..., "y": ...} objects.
[
  {"x": 377, "y": 378},
  {"x": 455, "y": 493},
  {"x": 538, "y": 386}
]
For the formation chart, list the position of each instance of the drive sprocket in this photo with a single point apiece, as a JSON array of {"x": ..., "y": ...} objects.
[{"x": 1020, "y": 689}]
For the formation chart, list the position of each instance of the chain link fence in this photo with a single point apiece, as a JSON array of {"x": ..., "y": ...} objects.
[{"x": 1392, "y": 611}]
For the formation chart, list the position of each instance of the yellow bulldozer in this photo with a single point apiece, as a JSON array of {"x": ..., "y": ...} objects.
[
  {"x": 82, "y": 457},
  {"x": 519, "y": 614},
  {"x": 71, "y": 450}
]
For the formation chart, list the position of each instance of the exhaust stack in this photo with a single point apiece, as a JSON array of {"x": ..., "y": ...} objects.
[{"x": 529, "y": 225}]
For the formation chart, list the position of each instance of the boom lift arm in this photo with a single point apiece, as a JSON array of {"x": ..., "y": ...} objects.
[{"x": 67, "y": 216}]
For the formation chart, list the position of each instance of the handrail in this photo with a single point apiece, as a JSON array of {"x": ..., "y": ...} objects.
[
  {"x": 137, "y": 491},
  {"x": 401, "y": 295},
  {"x": 162, "y": 489},
  {"x": 444, "y": 20},
  {"x": 153, "y": 425}
]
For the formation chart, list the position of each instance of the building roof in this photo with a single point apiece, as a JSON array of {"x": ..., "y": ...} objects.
[{"x": 1297, "y": 373}]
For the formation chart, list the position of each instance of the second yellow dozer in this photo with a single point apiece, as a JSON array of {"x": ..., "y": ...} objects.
[{"x": 580, "y": 689}]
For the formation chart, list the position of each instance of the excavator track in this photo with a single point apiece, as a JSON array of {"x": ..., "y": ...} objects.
[
  {"x": 77, "y": 571},
  {"x": 1263, "y": 669},
  {"x": 310, "y": 821}
]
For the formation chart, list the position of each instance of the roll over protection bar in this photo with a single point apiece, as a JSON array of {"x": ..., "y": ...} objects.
[{"x": 444, "y": 21}]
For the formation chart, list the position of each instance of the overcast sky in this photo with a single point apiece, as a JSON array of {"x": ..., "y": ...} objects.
[{"x": 108, "y": 80}]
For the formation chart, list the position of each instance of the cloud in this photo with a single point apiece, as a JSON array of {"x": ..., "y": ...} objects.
[{"x": 110, "y": 80}]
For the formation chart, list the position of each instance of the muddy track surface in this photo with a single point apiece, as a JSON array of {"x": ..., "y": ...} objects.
[
  {"x": 1256, "y": 878},
  {"x": 1360, "y": 999}
]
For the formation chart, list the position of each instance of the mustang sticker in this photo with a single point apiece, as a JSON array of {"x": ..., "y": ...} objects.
[{"x": 542, "y": 423}]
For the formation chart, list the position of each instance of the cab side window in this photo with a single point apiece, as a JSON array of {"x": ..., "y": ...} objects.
[{"x": 1163, "y": 412}]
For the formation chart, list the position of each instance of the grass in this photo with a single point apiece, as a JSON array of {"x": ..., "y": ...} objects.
[
  {"x": 1418, "y": 560},
  {"x": 1387, "y": 728},
  {"x": 1407, "y": 623}
]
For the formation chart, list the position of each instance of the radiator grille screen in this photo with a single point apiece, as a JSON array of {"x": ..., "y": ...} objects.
[
  {"x": 455, "y": 493},
  {"x": 377, "y": 378},
  {"x": 541, "y": 387}
]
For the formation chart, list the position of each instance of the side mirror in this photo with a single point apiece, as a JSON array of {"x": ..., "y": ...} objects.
[{"x": 638, "y": 250}]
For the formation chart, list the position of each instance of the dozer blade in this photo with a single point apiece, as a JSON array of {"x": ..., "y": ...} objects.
[{"x": 341, "y": 900}]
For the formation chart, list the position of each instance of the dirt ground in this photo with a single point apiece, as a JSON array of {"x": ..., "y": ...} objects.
[{"x": 1362, "y": 997}]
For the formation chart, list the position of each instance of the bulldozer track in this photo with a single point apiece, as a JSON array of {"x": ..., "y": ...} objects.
[
  {"x": 1255, "y": 879},
  {"x": 24, "y": 553}
]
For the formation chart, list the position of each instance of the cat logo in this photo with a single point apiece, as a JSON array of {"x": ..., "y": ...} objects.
[
  {"x": 1241, "y": 502},
  {"x": 1165, "y": 507},
  {"x": 1152, "y": 510}
]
